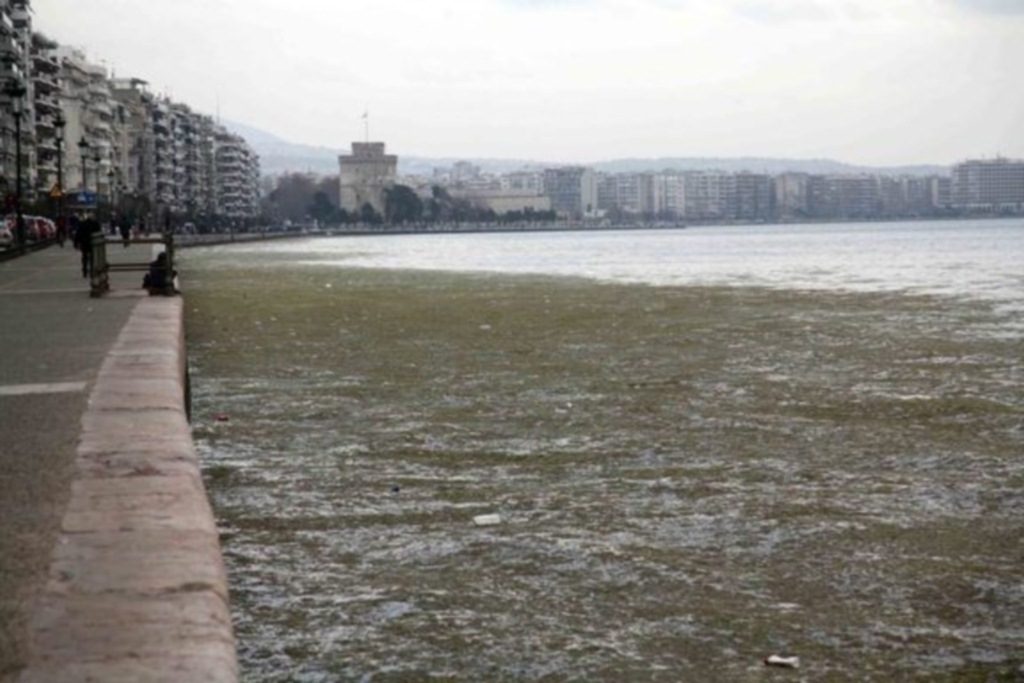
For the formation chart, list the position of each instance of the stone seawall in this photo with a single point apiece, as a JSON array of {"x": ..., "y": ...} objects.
[{"x": 136, "y": 589}]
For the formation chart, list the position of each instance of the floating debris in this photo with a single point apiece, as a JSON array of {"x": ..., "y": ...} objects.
[
  {"x": 487, "y": 520},
  {"x": 784, "y": 662},
  {"x": 221, "y": 417}
]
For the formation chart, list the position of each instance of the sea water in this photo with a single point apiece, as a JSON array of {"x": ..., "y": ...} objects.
[{"x": 702, "y": 447}]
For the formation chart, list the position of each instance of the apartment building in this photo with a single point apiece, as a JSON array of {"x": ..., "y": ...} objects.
[
  {"x": 941, "y": 192},
  {"x": 134, "y": 143},
  {"x": 759, "y": 197},
  {"x": 237, "y": 170},
  {"x": 672, "y": 193},
  {"x": 17, "y": 94},
  {"x": 135, "y": 152},
  {"x": 12, "y": 72},
  {"x": 87, "y": 106},
  {"x": 989, "y": 186},
  {"x": 48, "y": 118},
  {"x": 710, "y": 195},
  {"x": 754, "y": 198},
  {"x": 791, "y": 196},
  {"x": 844, "y": 196},
  {"x": 572, "y": 191}
]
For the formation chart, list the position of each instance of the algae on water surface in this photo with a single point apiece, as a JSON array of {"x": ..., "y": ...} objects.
[{"x": 689, "y": 478}]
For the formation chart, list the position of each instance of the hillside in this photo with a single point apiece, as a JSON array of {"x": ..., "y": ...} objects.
[{"x": 279, "y": 156}]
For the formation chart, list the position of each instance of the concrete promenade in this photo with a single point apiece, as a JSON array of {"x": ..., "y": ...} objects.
[{"x": 110, "y": 567}]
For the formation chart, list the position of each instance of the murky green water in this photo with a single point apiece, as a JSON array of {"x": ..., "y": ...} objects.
[{"x": 689, "y": 479}]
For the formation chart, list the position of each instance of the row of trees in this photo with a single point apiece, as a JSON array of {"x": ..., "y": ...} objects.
[{"x": 300, "y": 198}]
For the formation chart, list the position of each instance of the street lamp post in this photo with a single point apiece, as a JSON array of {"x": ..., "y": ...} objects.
[
  {"x": 15, "y": 90},
  {"x": 59, "y": 123},
  {"x": 97, "y": 159},
  {"x": 83, "y": 153},
  {"x": 111, "y": 190}
]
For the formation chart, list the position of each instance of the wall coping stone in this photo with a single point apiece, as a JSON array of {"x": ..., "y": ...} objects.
[{"x": 136, "y": 590}]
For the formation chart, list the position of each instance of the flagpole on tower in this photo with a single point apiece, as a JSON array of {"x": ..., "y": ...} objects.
[{"x": 366, "y": 124}]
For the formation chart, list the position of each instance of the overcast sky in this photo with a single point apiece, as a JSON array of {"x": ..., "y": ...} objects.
[{"x": 879, "y": 82}]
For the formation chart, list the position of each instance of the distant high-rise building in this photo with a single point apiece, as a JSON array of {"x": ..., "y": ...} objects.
[
  {"x": 940, "y": 190},
  {"x": 365, "y": 175},
  {"x": 755, "y": 197},
  {"x": 573, "y": 191},
  {"x": 671, "y": 192},
  {"x": 993, "y": 185},
  {"x": 464, "y": 171},
  {"x": 523, "y": 181},
  {"x": 791, "y": 198},
  {"x": 710, "y": 195},
  {"x": 844, "y": 196}
]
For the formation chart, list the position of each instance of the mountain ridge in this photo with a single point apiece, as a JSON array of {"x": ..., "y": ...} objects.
[{"x": 279, "y": 156}]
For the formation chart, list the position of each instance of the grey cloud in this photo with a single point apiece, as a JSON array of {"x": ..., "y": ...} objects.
[
  {"x": 991, "y": 6},
  {"x": 771, "y": 11},
  {"x": 544, "y": 4}
]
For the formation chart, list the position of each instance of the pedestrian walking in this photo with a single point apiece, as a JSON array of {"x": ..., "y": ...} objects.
[
  {"x": 87, "y": 227},
  {"x": 125, "y": 228},
  {"x": 62, "y": 230}
]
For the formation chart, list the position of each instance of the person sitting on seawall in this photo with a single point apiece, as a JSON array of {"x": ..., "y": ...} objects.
[{"x": 158, "y": 280}]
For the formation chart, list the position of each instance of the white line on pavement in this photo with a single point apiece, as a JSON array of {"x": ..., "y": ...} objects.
[{"x": 31, "y": 389}]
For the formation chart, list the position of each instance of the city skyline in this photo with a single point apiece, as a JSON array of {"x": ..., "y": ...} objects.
[{"x": 579, "y": 81}]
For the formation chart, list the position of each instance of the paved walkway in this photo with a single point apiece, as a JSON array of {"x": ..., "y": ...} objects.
[{"x": 53, "y": 340}]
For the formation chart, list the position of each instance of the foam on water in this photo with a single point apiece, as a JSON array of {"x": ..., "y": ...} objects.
[{"x": 957, "y": 258}]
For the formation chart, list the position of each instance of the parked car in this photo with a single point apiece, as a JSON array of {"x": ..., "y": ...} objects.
[
  {"x": 37, "y": 229},
  {"x": 44, "y": 228}
]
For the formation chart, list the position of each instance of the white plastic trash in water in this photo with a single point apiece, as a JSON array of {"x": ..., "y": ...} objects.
[
  {"x": 784, "y": 662},
  {"x": 487, "y": 520}
]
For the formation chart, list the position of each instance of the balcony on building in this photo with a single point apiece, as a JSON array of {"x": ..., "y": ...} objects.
[
  {"x": 45, "y": 82},
  {"x": 11, "y": 56},
  {"x": 46, "y": 131},
  {"x": 77, "y": 81},
  {"x": 47, "y": 164},
  {"x": 20, "y": 17},
  {"x": 101, "y": 107},
  {"x": 98, "y": 128},
  {"x": 44, "y": 63},
  {"x": 47, "y": 104},
  {"x": 99, "y": 89},
  {"x": 103, "y": 145}
]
